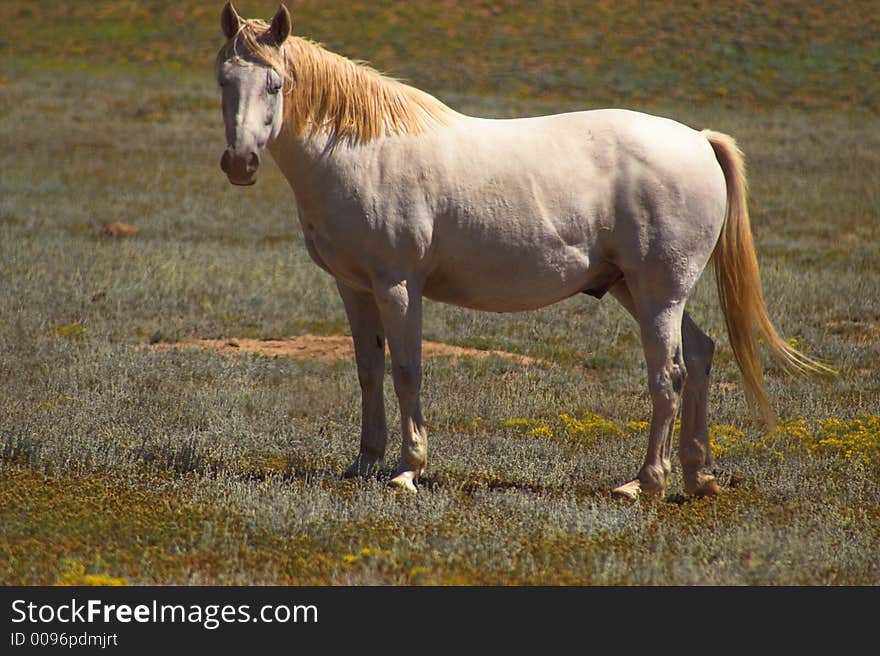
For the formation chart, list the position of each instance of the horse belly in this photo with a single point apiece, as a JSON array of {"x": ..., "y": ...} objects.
[{"x": 509, "y": 282}]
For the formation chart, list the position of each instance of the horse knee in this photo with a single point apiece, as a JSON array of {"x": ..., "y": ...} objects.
[
  {"x": 370, "y": 375},
  {"x": 407, "y": 380},
  {"x": 369, "y": 385}
]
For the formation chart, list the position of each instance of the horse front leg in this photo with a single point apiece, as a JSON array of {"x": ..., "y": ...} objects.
[
  {"x": 400, "y": 305},
  {"x": 369, "y": 349}
]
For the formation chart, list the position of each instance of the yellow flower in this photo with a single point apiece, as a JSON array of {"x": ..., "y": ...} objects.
[
  {"x": 856, "y": 440},
  {"x": 70, "y": 331},
  {"x": 526, "y": 426},
  {"x": 723, "y": 438},
  {"x": 75, "y": 574},
  {"x": 366, "y": 554},
  {"x": 589, "y": 425},
  {"x": 541, "y": 431}
]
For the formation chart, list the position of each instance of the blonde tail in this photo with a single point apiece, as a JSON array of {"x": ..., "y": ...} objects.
[{"x": 739, "y": 285}]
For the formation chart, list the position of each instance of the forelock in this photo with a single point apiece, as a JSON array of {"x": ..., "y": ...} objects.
[{"x": 252, "y": 41}]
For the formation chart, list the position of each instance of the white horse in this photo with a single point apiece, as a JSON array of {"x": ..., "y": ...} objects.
[{"x": 400, "y": 197}]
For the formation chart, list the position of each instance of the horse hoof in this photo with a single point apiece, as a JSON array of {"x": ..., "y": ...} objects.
[
  {"x": 361, "y": 468},
  {"x": 635, "y": 488},
  {"x": 707, "y": 486},
  {"x": 628, "y": 491},
  {"x": 404, "y": 481}
]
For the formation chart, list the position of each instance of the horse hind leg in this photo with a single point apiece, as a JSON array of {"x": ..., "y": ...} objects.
[
  {"x": 660, "y": 327},
  {"x": 693, "y": 451}
]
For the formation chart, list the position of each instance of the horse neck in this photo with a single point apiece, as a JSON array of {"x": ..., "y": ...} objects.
[
  {"x": 337, "y": 110},
  {"x": 304, "y": 160}
]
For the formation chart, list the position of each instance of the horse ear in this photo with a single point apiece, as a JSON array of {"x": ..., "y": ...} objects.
[
  {"x": 230, "y": 21},
  {"x": 280, "y": 28}
]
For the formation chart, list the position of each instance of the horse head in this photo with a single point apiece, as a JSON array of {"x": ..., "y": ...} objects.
[{"x": 251, "y": 78}]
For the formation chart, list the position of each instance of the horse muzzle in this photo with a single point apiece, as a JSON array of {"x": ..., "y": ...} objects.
[{"x": 240, "y": 168}]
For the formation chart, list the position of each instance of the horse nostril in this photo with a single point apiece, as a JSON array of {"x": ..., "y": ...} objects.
[
  {"x": 224, "y": 162},
  {"x": 253, "y": 162}
]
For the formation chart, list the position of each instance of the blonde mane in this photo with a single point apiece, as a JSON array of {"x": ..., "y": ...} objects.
[{"x": 325, "y": 91}]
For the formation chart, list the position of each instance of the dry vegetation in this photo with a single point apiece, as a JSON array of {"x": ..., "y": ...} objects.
[{"x": 120, "y": 464}]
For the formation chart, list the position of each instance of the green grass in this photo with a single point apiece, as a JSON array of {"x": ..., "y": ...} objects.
[
  {"x": 816, "y": 55},
  {"x": 188, "y": 467}
]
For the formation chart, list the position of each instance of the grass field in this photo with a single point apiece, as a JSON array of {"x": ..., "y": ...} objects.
[{"x": 132, "y": 465}]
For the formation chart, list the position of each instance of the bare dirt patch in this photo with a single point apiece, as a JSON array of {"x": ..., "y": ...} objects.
[
  {"x": 118, "y": 229},
  {"x": 329, "y": 348}
]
